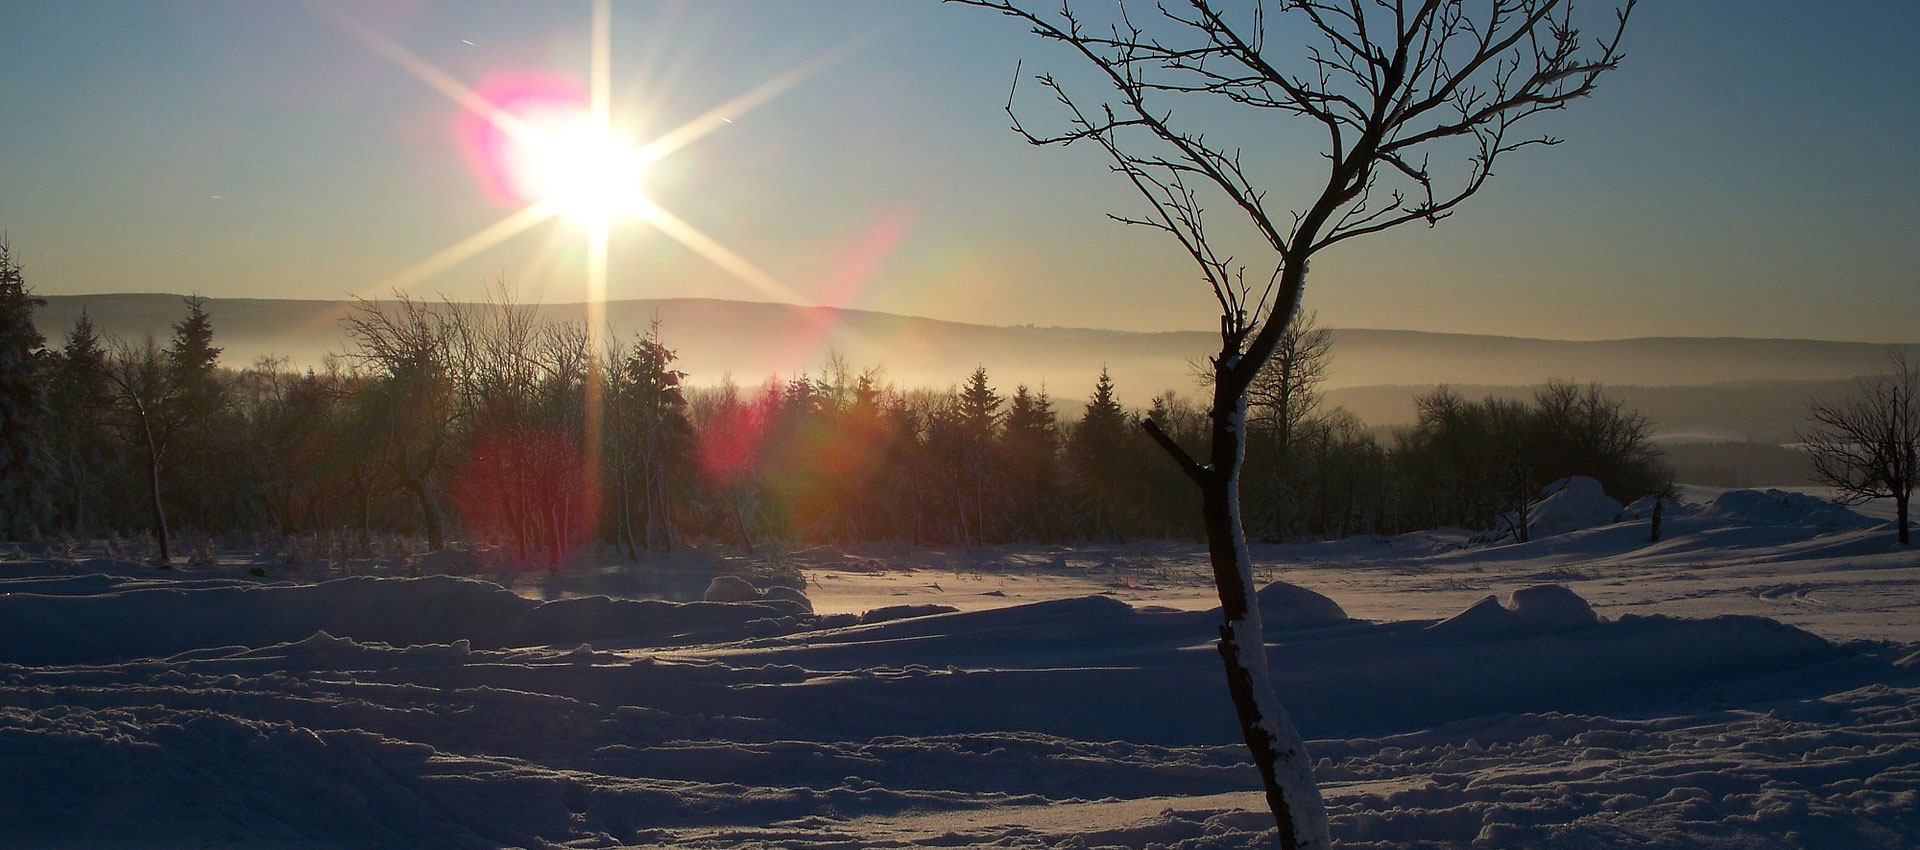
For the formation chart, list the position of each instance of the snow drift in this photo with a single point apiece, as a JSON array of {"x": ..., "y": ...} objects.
[
  {"x": 1566, "y": 505},
  {"x": 448, "y": 712}
]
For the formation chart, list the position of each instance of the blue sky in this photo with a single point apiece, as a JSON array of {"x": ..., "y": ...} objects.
[{"x": 1748, "y": 172}]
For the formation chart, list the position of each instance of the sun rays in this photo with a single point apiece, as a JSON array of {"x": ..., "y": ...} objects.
[{"x": 561, "y": 158}]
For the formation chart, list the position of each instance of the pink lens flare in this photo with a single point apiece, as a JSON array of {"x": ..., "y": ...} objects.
[{"x": 531, "y": 110}]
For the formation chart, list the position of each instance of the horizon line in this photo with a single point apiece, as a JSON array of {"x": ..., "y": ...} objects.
[{"x": 349, "y": 299}]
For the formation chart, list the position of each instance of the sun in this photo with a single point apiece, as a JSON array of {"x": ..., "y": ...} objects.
[
  {"x": 548, "y": 146},
  {"x": 560, "y": 158}
]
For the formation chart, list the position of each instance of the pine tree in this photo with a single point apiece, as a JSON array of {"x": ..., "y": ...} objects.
[
  {"x": 1031, "y": 446},
  {"x": 979, "y": 407},
  {"x": 1094, "y": 459},
  {"x": 651, "y": 412},
  {"x": 946, "y": 441},
  {"x": 976, "y": 423},
  {"x": 80, "y": 398},
  {"x": 22, "y": 402},
  {"x": 193, "y": 364},
  {"x": 201, "y": 484}
]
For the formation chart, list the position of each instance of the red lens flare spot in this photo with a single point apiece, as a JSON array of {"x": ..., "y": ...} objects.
[
  {"x": 729, "y": 446},
  {"x": 529, "y": 491}
]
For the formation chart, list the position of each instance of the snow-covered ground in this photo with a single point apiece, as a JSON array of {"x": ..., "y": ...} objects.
[{"x": 1751, "y": 680}]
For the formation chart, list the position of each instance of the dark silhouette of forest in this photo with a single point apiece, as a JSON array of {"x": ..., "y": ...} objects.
[{"x": 480, "y": 424}]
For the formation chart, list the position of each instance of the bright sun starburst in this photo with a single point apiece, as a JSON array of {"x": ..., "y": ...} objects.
[
  {"x": 555, "y": 151},
  {"x": 567, "y": 162}
]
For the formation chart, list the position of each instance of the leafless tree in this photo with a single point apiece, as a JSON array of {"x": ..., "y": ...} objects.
[
  {"x": 409, "y": 350},
  {"x": 149, "y": 417},
  {"x": 1393, "y": 85},
  {"x": 1866, "y": 447},
  {"x": 1287, "y": 388},
  {"x": 1287, "y": 392}
]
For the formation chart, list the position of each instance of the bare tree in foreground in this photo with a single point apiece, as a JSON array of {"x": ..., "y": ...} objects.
[
  {"x": 1394, "y": 85},
  {"x": 1868, "y": 447}
]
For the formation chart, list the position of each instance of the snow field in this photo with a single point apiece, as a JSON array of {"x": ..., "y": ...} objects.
[{"x": 1552, "y": 702}]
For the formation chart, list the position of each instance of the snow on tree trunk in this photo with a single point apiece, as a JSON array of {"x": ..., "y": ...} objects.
[{"x": 1279, "y": 753}]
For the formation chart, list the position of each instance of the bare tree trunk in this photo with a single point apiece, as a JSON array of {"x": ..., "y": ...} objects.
[
  {"x": 1279, "y": 754},
  {"x": 1520, "y": 532},
  {"x": 153, "y": 492},
  {"x": 366, "y": 518},
  {"x": 740, "y": 523},
  {"x": 1900, "y": 503},
  {"x": 429, "y": 510},
  {"x": 626, "y": 518}
]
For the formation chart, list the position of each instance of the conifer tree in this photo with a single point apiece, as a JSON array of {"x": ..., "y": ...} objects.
[
  {"x": 193, "y": 363},
  {"x": 977, "y": 422},
  {"x": 1093, "y": 457},
  {"x": 1031, "y": 446},
  {"x": 80, "y": 398},
  {"x": 650, "y": 411},
  {"x": 979, "y": 407},
  {"x": 22, "y": 402},
  {"x": 201, "y": 483}
]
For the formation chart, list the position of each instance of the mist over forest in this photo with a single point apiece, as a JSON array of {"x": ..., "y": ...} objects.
[
  {"x": 1735, "y": 388},
  {"x": 1724, "y": 410}
]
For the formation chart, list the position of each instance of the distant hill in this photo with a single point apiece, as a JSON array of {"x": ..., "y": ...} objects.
[
  {"x": 748, "y": 340},
  {"x": 752, "y": 340}
]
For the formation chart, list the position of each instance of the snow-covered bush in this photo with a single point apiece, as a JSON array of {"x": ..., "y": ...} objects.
[
  {"x": 1781, "y": 507},
  {"x": 1567, "y": 505}
]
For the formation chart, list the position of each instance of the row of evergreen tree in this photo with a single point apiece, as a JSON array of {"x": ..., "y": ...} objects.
[{"x": 481, "y": 423}]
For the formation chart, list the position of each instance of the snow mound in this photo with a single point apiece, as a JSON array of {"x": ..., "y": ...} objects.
[
  {"x": 1537, "y": 609},
  {"x": 1571, "y": 504},
  {"x": 900, "y": 612},
  {"x": 1670, "y": 508},
  {"x": 1286, "y": 605},
  {"x": 1781, "y": 507},
  {"x": 1551, "y": 607},
  {"x": 157, "y": 622},
  {"x": 781, "y": 594},
  {"x": 1566, "y": 505},
  {"x": 730, "y": 589}
]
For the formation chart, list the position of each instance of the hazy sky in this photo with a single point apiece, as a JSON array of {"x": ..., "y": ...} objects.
[{"x": 1750, "y": 171}]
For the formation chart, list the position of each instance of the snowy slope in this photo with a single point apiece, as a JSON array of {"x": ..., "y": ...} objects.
[{"x": 1554, "y": 702}]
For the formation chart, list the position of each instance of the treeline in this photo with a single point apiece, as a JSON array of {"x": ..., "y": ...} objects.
[{"x": 483, "y": 424}]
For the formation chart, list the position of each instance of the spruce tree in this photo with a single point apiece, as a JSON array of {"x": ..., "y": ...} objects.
[
  {"x": 652, "y": 410},
  {"x": 193, "y": 365},
  {"x": 196, "y": 395},
  {"x": 1095, "y": 458},
  {"x": 1031, "y": 445},
  {"x": 979, "y": 408},
  {"x": 80, "y": 398},
  {"x": 22, "y": 402},
  {"x": 976, "y": 423}
]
